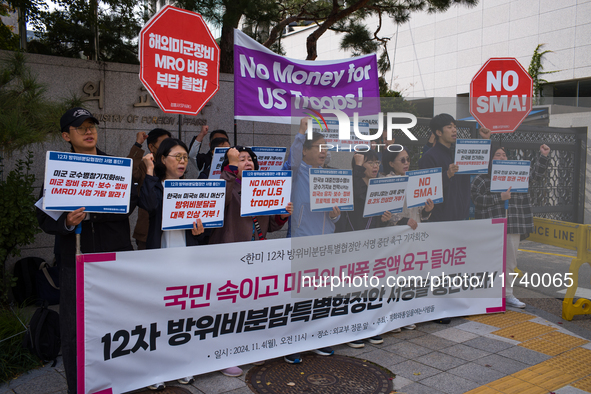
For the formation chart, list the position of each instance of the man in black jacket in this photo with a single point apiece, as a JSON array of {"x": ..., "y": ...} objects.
[{"x": 101, "y": 232}]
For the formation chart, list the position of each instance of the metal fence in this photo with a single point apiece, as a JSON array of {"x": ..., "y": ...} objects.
[{"x": 560, "y": 195}]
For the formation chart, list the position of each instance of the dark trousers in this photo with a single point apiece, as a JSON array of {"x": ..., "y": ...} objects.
[{"x": 68, "y": 319}]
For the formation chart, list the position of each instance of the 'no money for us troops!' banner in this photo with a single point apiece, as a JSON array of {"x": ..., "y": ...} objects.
[
  {"x": 265, "y": 83},
  {"x": 144, "y": 317}
]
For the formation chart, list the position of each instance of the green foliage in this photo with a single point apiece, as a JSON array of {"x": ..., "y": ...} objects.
[
  {"x": 26, "y": 117},
  {"x": 14, "y": 359},
  {"x": 18, "y": 222},
  {"x": 536, "y": 69},
  {"x": 69, "y": 31}
]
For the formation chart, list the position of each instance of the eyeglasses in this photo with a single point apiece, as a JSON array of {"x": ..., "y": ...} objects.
[
  {"x": 373, "y": 163},
  {"x": 405, "y": 160},
  {"x": 179, "y": 158},
  {"x": 83, "y": 129}
]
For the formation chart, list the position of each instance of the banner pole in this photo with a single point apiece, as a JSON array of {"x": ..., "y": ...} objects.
[{"x": 235, "y": 133}]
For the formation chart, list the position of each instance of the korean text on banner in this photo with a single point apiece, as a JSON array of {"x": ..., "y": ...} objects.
[
  {"x": 98, "y": 183},
  {"x": 215, "y": 170},
  {"x": 385, "y": 194},
  {"x": 269, "y": 158},
  {"x": 329, "y": 188},
  {"x": 472, "y": 156},
  {"x": 265, "y": 83},
  {"x": 512, "y": 174},
  {"x": 141, "y": 321},
  {"x": 185, "y": 201},
  {"x": 423, "y": 185},
  {"x": 265, "y": 192}
]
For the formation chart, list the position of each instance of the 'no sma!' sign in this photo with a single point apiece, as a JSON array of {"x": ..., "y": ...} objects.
[{"x": 501, "y": 95}]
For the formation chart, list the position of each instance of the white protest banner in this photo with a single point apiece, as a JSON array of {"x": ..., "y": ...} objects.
[
  {"x": 329, "y": 188},
  {"x": 472, "y": 156},
  {"x": 422, "y": 185},
  {"x": 185, "y": 201},
  {"x": 512, "y": 174},
  {"x": 98, "y": 183},
  {"x": 141, "y": 321},
  {"x": 265, "y": 192},
  {"x": 385, "y": 194},
  {"x": 270, "y": 159},
  {"x": 216, "y": 163}
]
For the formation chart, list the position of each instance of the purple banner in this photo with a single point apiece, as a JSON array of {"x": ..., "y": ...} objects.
[{"x": 265, "y": 83}]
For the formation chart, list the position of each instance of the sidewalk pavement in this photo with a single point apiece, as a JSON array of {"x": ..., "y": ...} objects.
[{"x": 519, "y": 351}]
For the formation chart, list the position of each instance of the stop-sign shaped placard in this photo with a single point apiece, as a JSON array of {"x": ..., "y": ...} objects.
[
  {"x": 179, "y": 61},
  {"x": 501, "y": 95}
]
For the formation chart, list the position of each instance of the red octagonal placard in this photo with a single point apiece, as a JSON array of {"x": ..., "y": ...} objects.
[
  {"x": 501, "y": 95},
  {"x": 179, "y": 61}
]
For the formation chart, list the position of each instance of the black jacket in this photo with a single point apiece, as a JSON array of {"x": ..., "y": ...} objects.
[
  {"x": 103, "y": 232},
  {"x": 456, "y": 190},
  {"x": 151, "y": 200}
]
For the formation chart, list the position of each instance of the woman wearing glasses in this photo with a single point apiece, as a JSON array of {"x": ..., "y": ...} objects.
[
  {"x": 170, "y": 162},
  {"x": 396, "y": 164}
]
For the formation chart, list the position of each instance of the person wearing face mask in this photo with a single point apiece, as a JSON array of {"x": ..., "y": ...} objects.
[
  {"x": 237, "y": 228},
  {"x": 520, "y": 222}
]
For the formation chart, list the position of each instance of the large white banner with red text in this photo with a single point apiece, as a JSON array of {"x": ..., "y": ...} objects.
[{"x": 159, "y": 315}]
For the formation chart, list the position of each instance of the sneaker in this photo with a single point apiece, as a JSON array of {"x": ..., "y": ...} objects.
[
  {"x": 396, "y": 330},
  {"x": 258, "y": 363},
  {"x": 410, "y": 327},
  {"x": 519, "y": 272},
  {"x": 356, "y": 344},
  {"x": 157, "y": 386},
  {"x": 232, "y": 372},
  {"x": 187, "y": 380},
  {"x": 325, "y": 351},
  {"x": 445, "y": 320},
  {"x": 514, "y": 302},
  {"x": 295, "y": 358},
  {"x": 375, "y": 340}
]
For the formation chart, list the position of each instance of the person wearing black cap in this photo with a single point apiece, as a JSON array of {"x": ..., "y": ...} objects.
[{"x": 101, "y": 232}]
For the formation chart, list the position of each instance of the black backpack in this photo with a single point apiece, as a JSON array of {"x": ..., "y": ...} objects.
[
  {"x": 43, "y": 334},
  {"x": 25, "y": 272},
  {"x": 36, "y": 281}
]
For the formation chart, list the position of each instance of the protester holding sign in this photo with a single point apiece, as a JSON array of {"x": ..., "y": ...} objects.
[
  {"x": 237, "y": 228},
  {"x": 305, "y": 154},
  {"x": 365, "y": 167},
  {"x": 170, "y": 162},
  {"x": 154, "y": 138},
  {"x": 456, "y": 188},
  {"x": 519, "y": 215},
  {"x": 396, "y": 164},
  {"x": 100, "y": 232}
]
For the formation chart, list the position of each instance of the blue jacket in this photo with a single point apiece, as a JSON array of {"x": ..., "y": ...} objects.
[
  {"x": 303, "y": 221},
  {"x": 456, "y": 190}
]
